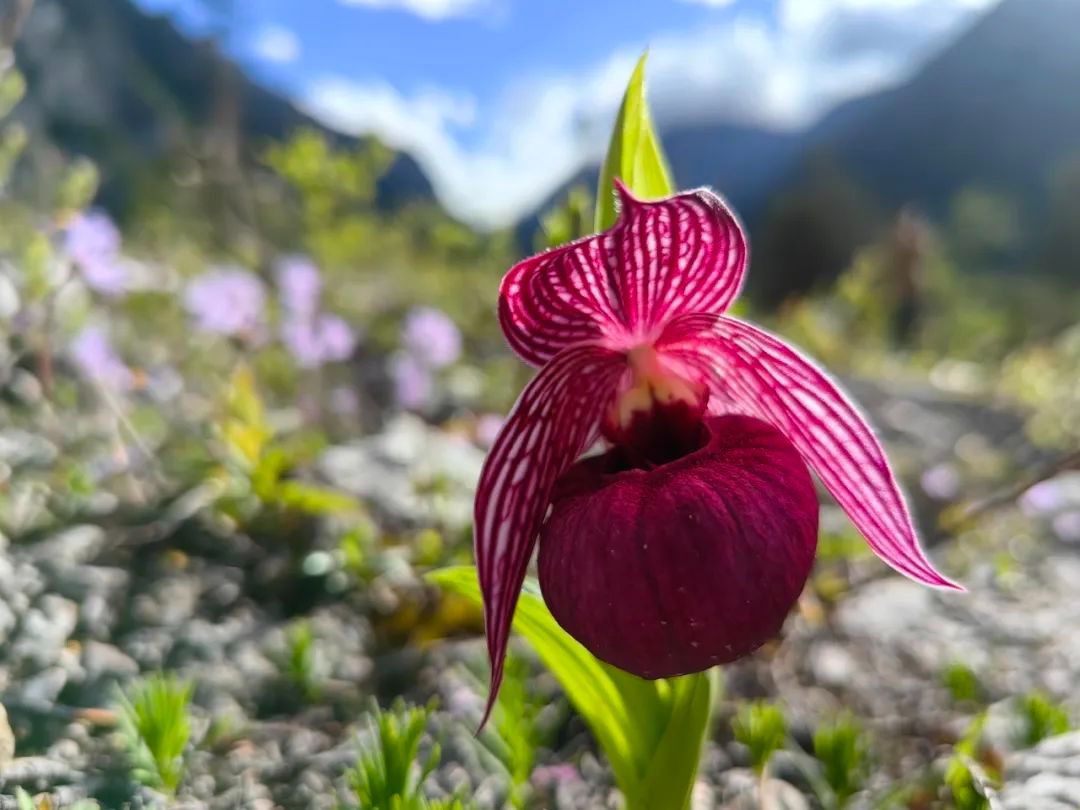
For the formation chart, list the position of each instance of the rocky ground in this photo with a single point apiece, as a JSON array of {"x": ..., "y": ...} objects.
[{"x": 86, "y": 609}]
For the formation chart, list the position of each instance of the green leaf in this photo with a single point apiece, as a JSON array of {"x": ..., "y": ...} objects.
[
  {"x": 634, "y": 154},
  {"x": 669, "y": 781},
  {"x": 245, "y": 428},
  {"x": 313, "y": 500},
  {"x": 651, "y": 731}
]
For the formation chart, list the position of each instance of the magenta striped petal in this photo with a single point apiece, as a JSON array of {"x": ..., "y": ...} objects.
[
  {"x": 555, "y": 420},
  {"x": 752, "y": 372},
  {"x": 686, "y": 253}
]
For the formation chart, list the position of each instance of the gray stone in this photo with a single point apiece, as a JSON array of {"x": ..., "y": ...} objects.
[
  {"x": 149, "y": 646},
  {"x": 7, "y": 739},
  {"x": 20, "y": 447},
  {"x": 1045, "y": 791},
  {"x": 703, "y": 797},
  {"x": 44, "y": 687},
  {"x": 742, "y": 790},
  {"x": 172, "y": 602},
  {"x": 7, "y": 621},
  {"x": 72, "y": 546},
  {"x": 35, "y": 774},
  {"x": 45, "y": 629},
  {"x": 887, "y": 609},
  {"x": 831, "y": 664},
  {"x": 101, "y": 660},
  {"x": 392, "y": 469}
]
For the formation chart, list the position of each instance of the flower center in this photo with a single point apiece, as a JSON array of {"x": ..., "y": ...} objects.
[{"x": 657, "y": 416}]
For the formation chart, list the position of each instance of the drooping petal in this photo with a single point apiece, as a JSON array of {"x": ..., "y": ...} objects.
[
  {"x": 686, "y": 253},
  {"x": 750, "y": 371},
  {"x": 555, "y": 420}
]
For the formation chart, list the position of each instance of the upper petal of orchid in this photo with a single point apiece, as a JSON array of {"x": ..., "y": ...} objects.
[
  {"x": 685, "y": 253},
  {"x": 752, "y": 372},
  {"x": 555, "y": 420}
]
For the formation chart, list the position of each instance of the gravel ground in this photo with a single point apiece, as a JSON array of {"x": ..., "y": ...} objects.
[{"x": 85, "y": 610}]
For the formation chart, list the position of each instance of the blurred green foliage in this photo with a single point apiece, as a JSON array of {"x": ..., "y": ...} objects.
[
  {"x": 1042, "y": 378},
  {"x": 968, "y": 778},
  {"x": 566, "y": 222},
  {"x": 842, "y": 749},
  {"x": 1041, "y": 717},
  {"x": 962, "y": 683},
  {"x": 299, "y": 661},
  {"x": 335, "y": 192}
]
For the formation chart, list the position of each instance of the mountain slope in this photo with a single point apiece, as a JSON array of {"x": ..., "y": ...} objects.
[
  {"x": 128, "y": 90},
  {"x": 997, "y": 108}
]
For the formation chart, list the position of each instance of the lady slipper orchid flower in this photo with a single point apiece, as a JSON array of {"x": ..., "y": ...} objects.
[{"x": 688, "y": 541}]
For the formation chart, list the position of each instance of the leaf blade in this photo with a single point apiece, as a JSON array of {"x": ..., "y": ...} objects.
[{"x": 634, "y": 153}]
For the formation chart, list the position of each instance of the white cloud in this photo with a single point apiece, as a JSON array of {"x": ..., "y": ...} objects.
[
  {"x": 428, "y": 9},
  {"x": 712, "y": 3},
  {"x": 780, "y": 73},
  {"x": 274, "y": 43}
]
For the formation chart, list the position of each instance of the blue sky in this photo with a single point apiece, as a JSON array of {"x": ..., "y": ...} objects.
[{"x": 502, "y": 100}]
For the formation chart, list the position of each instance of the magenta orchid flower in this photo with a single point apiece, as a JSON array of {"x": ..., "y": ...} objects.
[{"x": 688, "y": 541}]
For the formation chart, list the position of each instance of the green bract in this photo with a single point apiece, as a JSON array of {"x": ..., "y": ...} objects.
[{"x": 634, "y": 154}]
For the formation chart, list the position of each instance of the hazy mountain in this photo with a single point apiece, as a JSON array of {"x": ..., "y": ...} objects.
[
  {"x": 997, "y": 108},
  {"x": 130, "y": 91}
]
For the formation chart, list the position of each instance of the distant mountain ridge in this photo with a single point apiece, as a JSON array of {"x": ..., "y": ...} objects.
[
  {"x": 998, "y": 108},
  {"x": 126, "y": 88}
]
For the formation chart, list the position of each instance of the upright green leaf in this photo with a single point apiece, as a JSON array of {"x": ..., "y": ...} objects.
[
  {"x": 669, "y": 779},
  {"x": 634, "y": 154},
  {"x": 651, "y": 731}
]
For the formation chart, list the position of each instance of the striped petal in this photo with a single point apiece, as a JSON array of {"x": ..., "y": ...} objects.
[
  {"x": 752, "y": 372},
  {"x": 555, "y": 420},
  {"x": 686, "y": 253}
]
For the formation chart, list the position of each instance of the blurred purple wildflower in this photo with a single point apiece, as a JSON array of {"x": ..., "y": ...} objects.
[
  {"x": 227, "y": 301},
  {"x": 941, "y": 482},
  {"x": 92, "y": 242},
  {"x": 92, "y": 353},
  {"x": 312, "y": 337},
  {"x": 488, "y": 426},
  {"x": 553, "y": 775},
  {"x": 299, "y": 285},
  {"x": 431, "y": 337},
  {"x": 1042, "y": 498},
  {"x": 321, "y": 339},
  {"x": 413, "y": 384}
]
